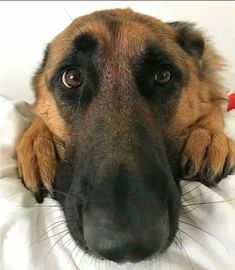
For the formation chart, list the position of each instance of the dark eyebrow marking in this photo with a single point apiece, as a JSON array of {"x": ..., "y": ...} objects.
[
  {"x": 154, "y": 53},
  {"x": 85, "y": 42}
]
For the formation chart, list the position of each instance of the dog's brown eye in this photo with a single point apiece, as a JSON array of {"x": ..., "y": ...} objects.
[
  {"x": 72, "y": 78},
  {"x": 162, "y": 77}
]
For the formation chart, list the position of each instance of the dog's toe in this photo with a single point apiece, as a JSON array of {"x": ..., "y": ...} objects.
[{"x": 208, "y": 157}]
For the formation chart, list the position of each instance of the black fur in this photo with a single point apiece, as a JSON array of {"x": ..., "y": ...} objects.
[
  {"x": 154, "y": 60},
  {"x": 82, "y": 56},
  {"x": 189, "y": 38},
  {"x": 85, "y": 43}
]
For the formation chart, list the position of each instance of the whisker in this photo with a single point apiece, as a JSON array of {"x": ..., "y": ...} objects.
[
  {"x": 192, "y": 238},
  {"x": 178, "y": 242},
  {"x": 44, "y": 233},
  {"x": 51, "y": 236},
  {"x": 185, "y": 184},
  {"x": 53, "y": 226},
  {"x": 205, "y": 203},
  {"x": 196, "y": 196},
  {"x": 191, "y": 190},
  {"x": 191, "y": 210},
  {"x": 54, "y": 246},
  {"x": 184, "y": 250},
  {"x": 200, "y": 229},
  {"x": 78, "y": 250},
  {"x": 71, "y": 254},
  {"x": 66, "y": 11},
  {"x": 42, "y": 217},
  {"x": 64, "y": 244}
]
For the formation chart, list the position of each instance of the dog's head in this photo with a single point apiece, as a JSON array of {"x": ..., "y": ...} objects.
[{"x": 122, "y": 90}]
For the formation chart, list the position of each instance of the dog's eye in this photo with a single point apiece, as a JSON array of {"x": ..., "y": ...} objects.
[
  {"x": 72, "y": 78},
  {"x": 162, "y": 77}
]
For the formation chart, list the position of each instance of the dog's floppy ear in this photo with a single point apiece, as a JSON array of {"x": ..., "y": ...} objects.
[{"x": 189, "y": 38}]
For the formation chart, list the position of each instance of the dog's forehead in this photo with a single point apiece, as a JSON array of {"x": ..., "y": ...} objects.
[{"x": 122, "y": 31}]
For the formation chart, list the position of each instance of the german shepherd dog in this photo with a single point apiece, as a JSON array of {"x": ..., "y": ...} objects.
[{"x": 126, "y": 106}]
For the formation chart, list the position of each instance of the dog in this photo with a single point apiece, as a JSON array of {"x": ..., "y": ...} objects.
[{"x": 126, "y": 106}]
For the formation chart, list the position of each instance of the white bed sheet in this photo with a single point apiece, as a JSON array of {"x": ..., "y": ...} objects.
[{"x": 34, "y": 237}]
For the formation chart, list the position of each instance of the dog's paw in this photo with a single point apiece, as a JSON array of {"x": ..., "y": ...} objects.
[
  {"x": 37, "y": 158},
  {"x": 208, "y": 156}
]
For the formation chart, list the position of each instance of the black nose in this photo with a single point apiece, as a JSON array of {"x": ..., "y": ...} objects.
[
  {"x": 126, "y": 218},
  {"x": 125, "y": 247},
  {"x": 126, "y": 237}
]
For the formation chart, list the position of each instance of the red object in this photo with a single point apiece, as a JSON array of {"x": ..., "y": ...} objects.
[{"x": 231, "y": 101}]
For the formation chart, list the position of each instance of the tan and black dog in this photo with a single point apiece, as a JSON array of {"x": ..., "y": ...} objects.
[{"x": 126, "y": 105}]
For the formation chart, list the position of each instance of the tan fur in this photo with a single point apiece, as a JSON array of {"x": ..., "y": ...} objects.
[
  {"x": 38, "y": 151},
  {"x": 207, "y": 145},
  {"x": 198, "y": 117},
  {"x": 45, "y": 107}
]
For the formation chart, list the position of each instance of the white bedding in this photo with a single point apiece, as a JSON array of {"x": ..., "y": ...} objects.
[{"x": 34, "y": 237}]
